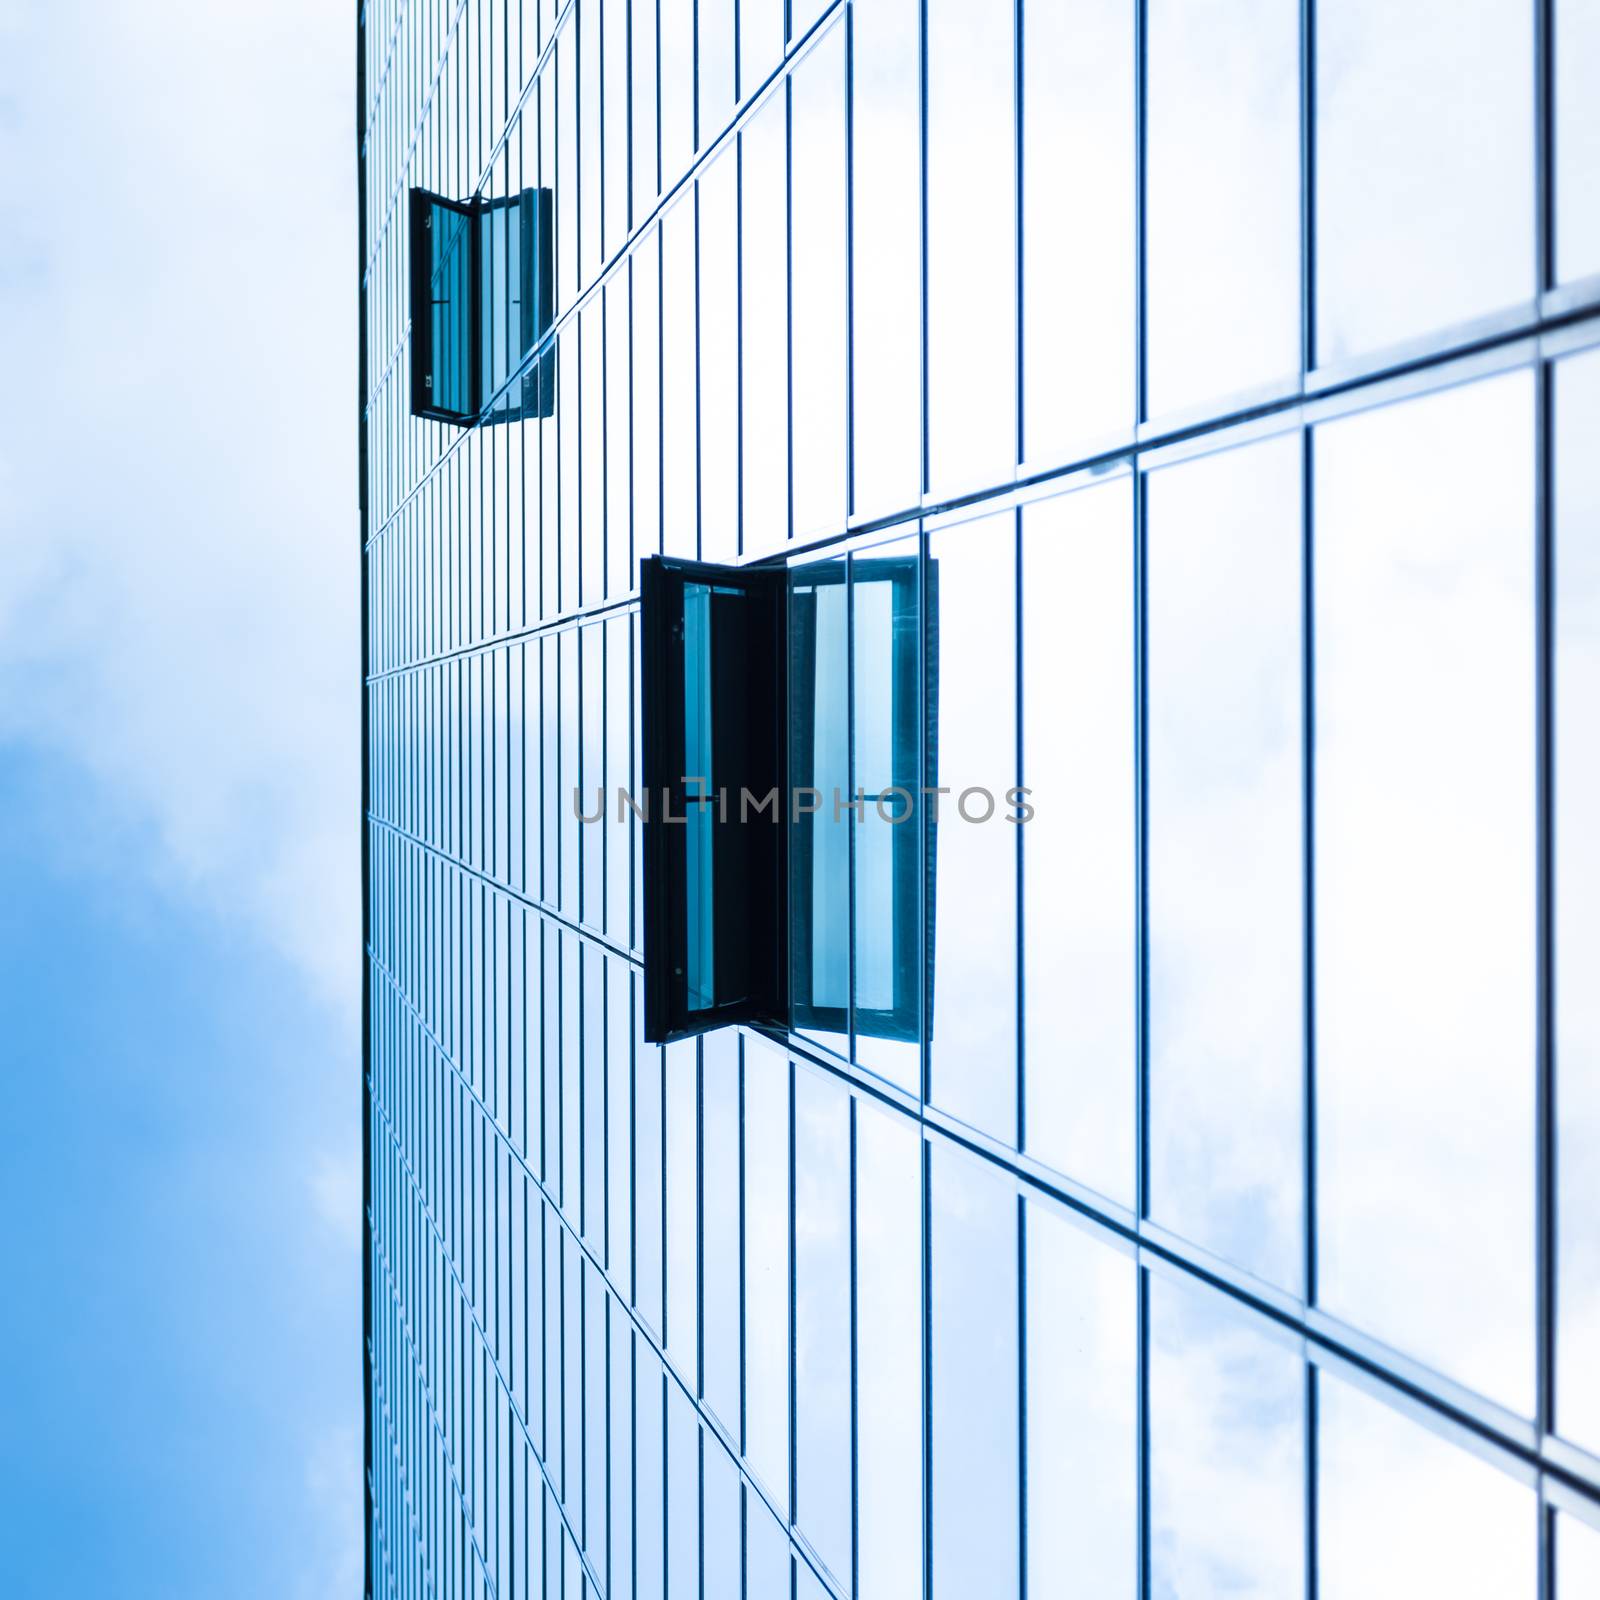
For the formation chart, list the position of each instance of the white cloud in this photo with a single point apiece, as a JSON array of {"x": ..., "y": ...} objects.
[{"x": 178, "y": 532}]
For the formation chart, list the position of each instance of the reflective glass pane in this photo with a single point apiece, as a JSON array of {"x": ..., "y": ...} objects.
[
  {"x": 1227, "y": 1451},
  {"x": 887, "y": 907},
  {"x": 714, "y": 66},
  {"x": 764, "y": 246},
  {"x": 719, "y": 361},
  {"x": 720, "y": 1244},
  {"x": 1577, "y": 1559},
  {"x": 819, "y": 773},
  {"x": 1077, "y": 229},
  {"x": 683, "y": 1496},
  {"x": 679, "y": 450},
  {"x": 646, "y": 171},
  {"x": 888, "y": 1265},
  {"x": 1577, "y": 847},
  {"x": 724, "y": 1545},
  {"x": 649, "y": 1488},
  {"x": 1223, "y": 198},
  {"x": 972, "y": 1015},
  {"x": 1080, "y": 958},
  {"x": 1577, "y": 70},
  {"x": 683, "y": 1245},
  {"x": 886, "y": 261},
  {"x": 1083, "y": 1390},
  {"x": 1424, "y": 681},
  {"x": 817, "y": 286},
  {"x": 822, "y": 1319},
  {"x": 645, "y": 266},
  {"x": 1403, "y": 1511},
  {"x": 1424, "y": 168},
  {"x": 648, "y": 1132},
  {"x": 768, "y": 1564},
  {"x": 766, "y": 1264},
  {"x": 675, "y": 35},
  {"x": 760, "y": 42},
  {"x": 1226, "y": 956},
  {"x": 973, "y": 1329},
  {"x": 971, "y": 272}
]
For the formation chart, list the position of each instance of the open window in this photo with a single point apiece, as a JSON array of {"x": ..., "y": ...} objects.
[
  {"x": 481, "y": 302},
  {"x": 783, "y": 841}
]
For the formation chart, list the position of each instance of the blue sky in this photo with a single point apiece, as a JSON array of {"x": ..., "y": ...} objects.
[{"x": 179, "y": 790}]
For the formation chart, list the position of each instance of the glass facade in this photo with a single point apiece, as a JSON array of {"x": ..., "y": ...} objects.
[{"x": 1188, "y": 414}]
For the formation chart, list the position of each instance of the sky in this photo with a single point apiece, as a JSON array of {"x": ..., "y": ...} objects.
[{"x": 179, "y": 801}]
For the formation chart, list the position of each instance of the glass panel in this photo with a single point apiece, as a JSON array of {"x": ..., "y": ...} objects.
[
  {"x": 888, "y": 1268},
  {"x": 614, "y": 43},
  {"x": 1425, "y": 878},
  {"x": 1226, "y": 911},
  {"x": 683, "y": 1496},
  {"x": 766, "y": 1264},
  {"x": 1403, "y": 1511},
  {"x": 764, "y": 241},
  {"x": 819, "y": 839},
  {"x": 699, "y": 815},
  {"x": 621, "y": 1459},
  {"x": 683, "y": 1179},
  {"x": 723, "y": 1542},
  {"x": 1577, "y": 1559},
  {"x": 887, "y": 907},
  {"x": 1424, "y": 168},
  {"x": 650, "y": 1481},
  {"x": 679, "y": 403},
  {"x": 971, "y": 261},
  {"x": 1083, "y": 1389},
  {"x": 1577, "y": 152},
  {"x": 720, "y": 1244},
  {"x": 817, "y": 286},
  {"x": 645, "y": 267},
  {"x": 648, "y": 1157},
  {"x": 768, "y": 1564},
  {"x": 450, "y": 270},
  {"x": 643, "y": 109},
  {"x": 714, "y": 67},
  {"x": 1080, "y": 957},
  {"x": 1078, "y": 235},
  {"x": 822, "y": 1320},
  {"x": 1227, "y": 1451},
  {"x": 619, "y": 484},
  {"x": 760, "y": 42},
  {"x": 675, "y": 33},
  {"x": 971, "y": 595},
  {"x": 1223, "y": 221},
  {"x": 886, "y": 261},
  {"x": 973, "y": 1333},
  {"x": 719, "y": 361},
  {"x": 1577, "y": 896}
]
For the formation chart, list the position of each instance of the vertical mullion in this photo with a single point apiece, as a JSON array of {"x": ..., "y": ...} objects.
[{"x": 1545, "y": 1260}]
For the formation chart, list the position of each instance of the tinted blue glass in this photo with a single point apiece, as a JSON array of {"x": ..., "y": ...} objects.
[
  {"x": 1223, "y": 218},
  {"x": 1080, "y": 956},
  {"x": 888, "y": 1268},
  {"x": 699, "y": 940},
  {"x": 886, "y": 262},
  {"x": 719, "y": 360},
  {"x": 1082, "y": 1378},
  {"x": 819, "y": 769},
  {"x": 1577, "y": 759},
  {"x": 1424, "y": 168},
  {"x": 885, "y": 723},
  {"x": 1227, "y": 1451},
  {"x": 817, "y": 286},
  {"x": 1077, "y": 224},
  {"x": 822, "y": 1319},
  {"x": 621, "y": 1455},
  {"x": 1577, "y": 61},
  {"x": 1226, "y": 856},
  {"x": 973, "y": 1288},
  {"x": 971, "y": 274},
  {"x": 766, "y": 1264},
  {"x": 1425, "y": 889},
  {"x": 720, "y": 1185},
  {"x": 972, "y": 1021},
  {"x": 1403, "y": 1511},
  {"x": 648, "y": 1142},
  {"x": 764, "y": 245}
]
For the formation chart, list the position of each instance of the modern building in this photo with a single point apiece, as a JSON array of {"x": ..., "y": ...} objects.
[{"x": 1188, "y": 414}]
